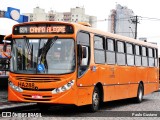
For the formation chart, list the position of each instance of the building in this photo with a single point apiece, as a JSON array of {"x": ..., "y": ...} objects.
[
  {"x": 75, "y": 15},
  {"x": 37, "y": 15},
  {"x": 122, "y": 21}
]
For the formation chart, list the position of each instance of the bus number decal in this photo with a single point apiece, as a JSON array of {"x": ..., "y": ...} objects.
[
  {"x": 112, "y": 70},
  {"x": 26, "y": 85}
]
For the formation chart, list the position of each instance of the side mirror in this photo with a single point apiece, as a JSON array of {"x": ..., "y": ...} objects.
[{"x": 84, "y": 52}]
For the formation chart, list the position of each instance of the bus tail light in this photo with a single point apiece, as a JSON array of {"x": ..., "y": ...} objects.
[
  {"x": 64, "y": 87},
  {"x": 16, "y": 88}
]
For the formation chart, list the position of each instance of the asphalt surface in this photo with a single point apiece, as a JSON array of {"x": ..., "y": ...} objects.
[
  {"x": 121, "y": 109},
  {"x": 116, "y": 109},
  {"x": 4, "y": 104}
]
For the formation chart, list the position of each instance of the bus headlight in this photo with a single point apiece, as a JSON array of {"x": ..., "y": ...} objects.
[
  {"x": 64, "y": 87},
  {"x": 16, "y": 88}
]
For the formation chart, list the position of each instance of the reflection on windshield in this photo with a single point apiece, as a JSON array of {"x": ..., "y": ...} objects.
[{"x": 43, "y": 56}]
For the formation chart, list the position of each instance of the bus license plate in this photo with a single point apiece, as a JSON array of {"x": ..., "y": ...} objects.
[
  {"x": 26, "y": 85},
  {"x": 36, "y": 96}
]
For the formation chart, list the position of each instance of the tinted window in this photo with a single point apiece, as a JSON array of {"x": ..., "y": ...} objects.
[
  {"x": 99, "y": 56},
  {"x": 156, "y": 56},
  {"x": 137, "y": 50},
  {"x": 130, "y": 56},
  {"x": 99, "y": 51},
  {"x": 144, "y": 51},
  {"x": 110, "y": 45},
  {"x": 98, "y": 42},
  {"x": 120, "y": 46},
  {"x": 129, "y": 48},
  {"x": 151, "y": 57},
  {"x": 144, "y": 57},
  {"x": 83, "y": 38},
  {"x": 150, "y": 52},
  {"x": 110, "y": 53},
  {"x": 121, "y": 58},
  {"x": 138, "y": 59}
]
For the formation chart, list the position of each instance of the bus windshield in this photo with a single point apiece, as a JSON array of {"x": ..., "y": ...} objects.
[{"x": 43, "y": 56}]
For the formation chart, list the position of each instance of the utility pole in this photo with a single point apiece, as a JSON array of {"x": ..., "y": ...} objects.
[
  {"x": 136, "y": 26},
  {"x": 135, "y": 21}
]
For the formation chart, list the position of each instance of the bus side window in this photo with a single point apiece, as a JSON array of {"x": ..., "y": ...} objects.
[
  {"x": 130, "y": 54},
  {"x": 151, "y": 57},
  {"x": 99, "y": 50},
  {"x": 121, "y": 57},
  {"x": 156, "y": 57},
  {"x": 83, "y": 50},
  {"x": 138, "y": 59},
  {"x": 144, "y": 57},
  {"x": 110, "y": 53}
]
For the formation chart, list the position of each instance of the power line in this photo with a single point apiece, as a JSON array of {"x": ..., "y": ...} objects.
[
  {"x": 130, "y": 18},
  {"x": 134, "y": 20},
  {"x": 148, "y": 18}
]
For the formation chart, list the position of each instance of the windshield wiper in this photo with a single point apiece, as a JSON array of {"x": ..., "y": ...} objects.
[
  {"x": 47, "y": 46},
  {"x": 44, "y": 50},
  {"x": 29, "y": 48}
]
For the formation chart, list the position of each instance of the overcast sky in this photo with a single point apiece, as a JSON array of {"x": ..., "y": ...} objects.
[{"x": 101, "y": 8}]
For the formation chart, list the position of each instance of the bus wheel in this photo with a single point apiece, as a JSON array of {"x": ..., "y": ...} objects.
[
  {"x": 140, "y": 93},
  {"x": 95, "y": 100}
]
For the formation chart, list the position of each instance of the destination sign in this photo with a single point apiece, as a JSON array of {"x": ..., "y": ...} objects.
[{"x": 43, "y": 29}]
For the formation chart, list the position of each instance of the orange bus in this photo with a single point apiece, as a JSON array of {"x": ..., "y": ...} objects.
[{"x": 71, "y": 63}]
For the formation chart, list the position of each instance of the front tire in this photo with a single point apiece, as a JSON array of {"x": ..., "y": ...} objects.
[{"x": 95, "y": 100}]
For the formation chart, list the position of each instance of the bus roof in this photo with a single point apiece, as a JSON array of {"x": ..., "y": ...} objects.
[
  {"x": 116, "y": 36},
  {"x": 84, "y": 27}
]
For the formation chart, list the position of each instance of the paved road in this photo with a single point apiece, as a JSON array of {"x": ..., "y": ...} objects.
[{"x": 121, "y": 108}]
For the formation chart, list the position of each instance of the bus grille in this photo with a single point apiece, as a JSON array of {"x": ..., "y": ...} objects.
[{"x": 38, "y": 79}]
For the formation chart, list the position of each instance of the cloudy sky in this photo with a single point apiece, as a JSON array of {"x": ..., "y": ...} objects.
[{"x": 147, "y": 9}]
